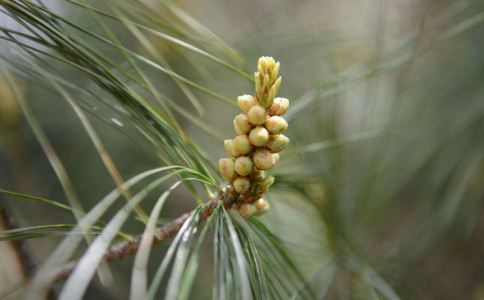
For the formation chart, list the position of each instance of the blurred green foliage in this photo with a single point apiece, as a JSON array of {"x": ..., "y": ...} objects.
[{"x": 380, "y": 193}]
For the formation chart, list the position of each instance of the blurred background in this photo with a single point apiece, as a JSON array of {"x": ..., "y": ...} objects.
[{"x": 380, "y": 194}]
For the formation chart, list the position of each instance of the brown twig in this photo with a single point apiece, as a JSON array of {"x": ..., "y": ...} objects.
[{"x": 162, "y": 233}]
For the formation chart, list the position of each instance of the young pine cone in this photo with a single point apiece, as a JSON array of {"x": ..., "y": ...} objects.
[{"x": 259, "y": 139}]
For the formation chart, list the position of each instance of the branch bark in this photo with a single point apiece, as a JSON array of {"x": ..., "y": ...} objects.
[{"x": 162, "y": 233}]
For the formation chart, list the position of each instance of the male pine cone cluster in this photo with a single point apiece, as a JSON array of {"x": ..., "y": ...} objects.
[{"x": 259, "y": 139}]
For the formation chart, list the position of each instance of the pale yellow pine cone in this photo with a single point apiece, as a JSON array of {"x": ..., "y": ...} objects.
[
  {"x": 226, "y": 168},
  {"x": 243, "y": 166},
  {"x": 277, "y": 143},
  {"x": 263, "y": 159},
  {"x": 259, "y": 140},
  {"x": 259, "y": 136},
  {"x": 241, "y": 185},
  {"x": 262, "y": 206},
  {"x": 247, "y": 210},
  {"x": 279, "y": 107},
  {"x": 241, "y": 122},
  {"x": 245, "y": 102},
  {"x": 276, "y": 125},
  {"x": 230, "y": 148},
  {"x": 257, "y": 115},
  {"x": 242, "y": 144}
]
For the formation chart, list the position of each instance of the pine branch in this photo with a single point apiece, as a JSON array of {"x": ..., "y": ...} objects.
[{"x": 162, "y": 233}]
